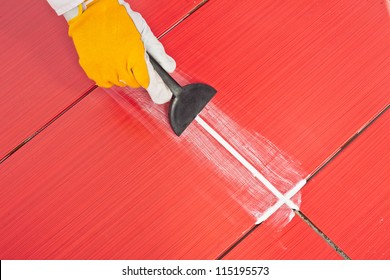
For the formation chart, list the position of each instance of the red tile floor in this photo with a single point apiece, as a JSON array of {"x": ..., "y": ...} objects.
[{"x": 289, "y": 161}]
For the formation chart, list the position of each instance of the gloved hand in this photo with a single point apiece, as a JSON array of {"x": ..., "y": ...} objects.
[{"x": 111, "y": 41}]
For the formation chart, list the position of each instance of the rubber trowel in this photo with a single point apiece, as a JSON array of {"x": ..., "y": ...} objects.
[{"x": 188, "y": 101}]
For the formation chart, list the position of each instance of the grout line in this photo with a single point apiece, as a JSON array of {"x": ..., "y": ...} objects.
[
  {"x": 323, "y": 165},
  {"x": 28, "y": 139},
  {"x": 322, "y": 234},
  {"x": 282, "y": 199},
  {"x": 235, "y": 244},
  {"x": 298, "y": 186},
  {"x": 347, "y": 143},
  {"x": 193, "y": 10},
  {"x": 268, "y": 213}
]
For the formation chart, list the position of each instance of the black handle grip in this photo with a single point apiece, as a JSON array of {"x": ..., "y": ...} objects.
[{"x": 168, "y": 80}]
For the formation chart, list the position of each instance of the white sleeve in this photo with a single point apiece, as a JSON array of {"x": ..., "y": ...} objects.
[{"x": 62, "y": 6}]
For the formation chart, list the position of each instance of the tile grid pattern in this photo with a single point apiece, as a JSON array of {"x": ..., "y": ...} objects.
[{"x": 287, "y": 201}]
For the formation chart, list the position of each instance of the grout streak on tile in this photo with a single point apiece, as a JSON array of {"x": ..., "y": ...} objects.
[{"x": 255, "y": 192}]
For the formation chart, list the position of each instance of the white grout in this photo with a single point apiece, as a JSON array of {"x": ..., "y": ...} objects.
[
  {"x": 298, "y": 186},
  {"x": 283, "y": 199},
  {"x": 159, "y": 114},
  {"x": 268, "y": 213}
]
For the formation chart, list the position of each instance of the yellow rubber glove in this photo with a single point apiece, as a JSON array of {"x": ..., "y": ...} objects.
[{"x": 111, "y": 41}]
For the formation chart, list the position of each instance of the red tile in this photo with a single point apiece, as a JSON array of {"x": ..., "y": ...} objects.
[
  {"x": 110, "y": 180},
  {"x": 349, "y": 199},
  {"x": 280, "y": 238},
  {"x": 40, "y": 74},
  {"x": 305, "y": 75}
]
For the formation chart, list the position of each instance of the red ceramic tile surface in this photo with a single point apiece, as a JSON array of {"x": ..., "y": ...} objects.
[
  {"x": 281, "y": 239},
  {"x": 110, "y": 180},
  {"x": 349, "y": 200},
  {"x": 106, "y": 180},
  {"x": 304, "y": 74},
  {"x": 40, "y": 75}
]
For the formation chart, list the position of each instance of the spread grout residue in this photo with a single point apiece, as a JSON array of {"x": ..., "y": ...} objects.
[{"x": 282, "y": 172}]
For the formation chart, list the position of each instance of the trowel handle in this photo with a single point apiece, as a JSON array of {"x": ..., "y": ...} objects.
[{"x": 168, "y": 80}]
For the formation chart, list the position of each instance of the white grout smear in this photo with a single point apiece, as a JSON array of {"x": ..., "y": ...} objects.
[
  {"x": 276, "y": 166},
  {"x": 250, "y": 193}
]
